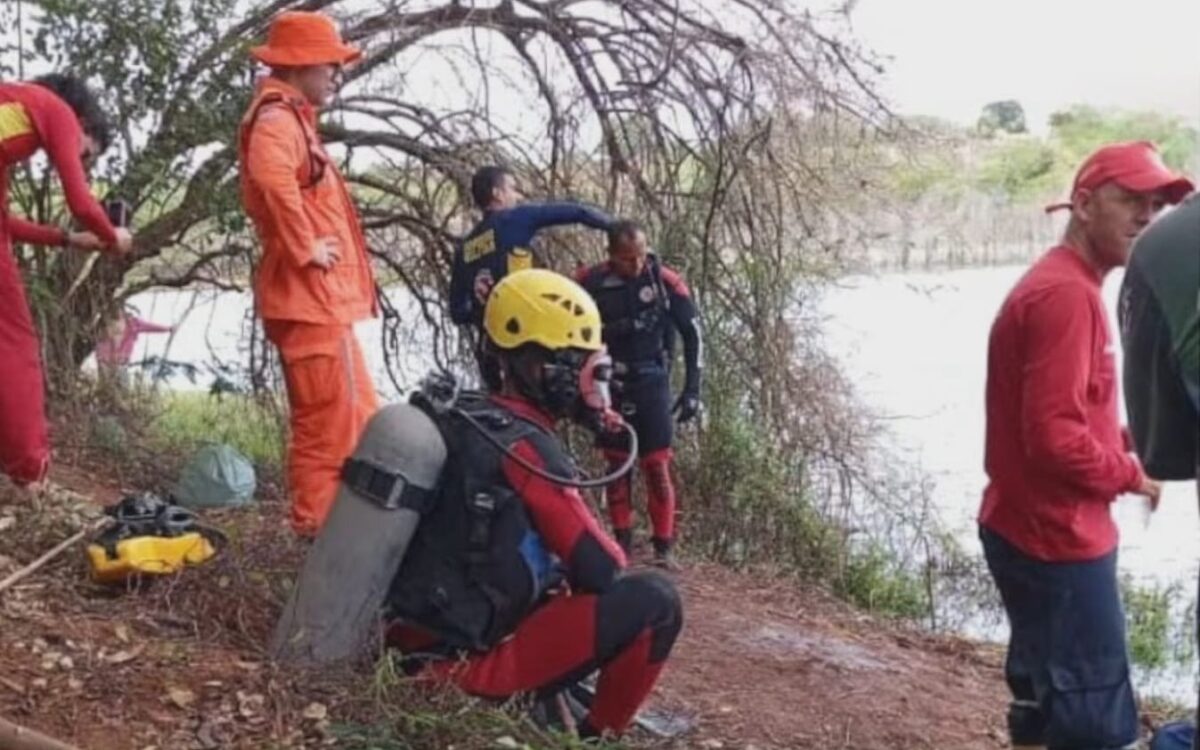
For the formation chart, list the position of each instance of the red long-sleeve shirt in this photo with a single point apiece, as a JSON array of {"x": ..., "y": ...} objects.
[
  {"x": 32, "y": 118},
  {"x": 1055, "y": 454}
]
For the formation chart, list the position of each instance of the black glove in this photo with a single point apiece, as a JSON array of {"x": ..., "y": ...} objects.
[{"x": 686, "y": 407}]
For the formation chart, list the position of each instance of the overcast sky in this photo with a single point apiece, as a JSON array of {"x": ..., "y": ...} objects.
[{"x": 950, "y": 57}]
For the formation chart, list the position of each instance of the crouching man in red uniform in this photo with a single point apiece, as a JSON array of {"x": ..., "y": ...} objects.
[{"x": 476, "y": 583}]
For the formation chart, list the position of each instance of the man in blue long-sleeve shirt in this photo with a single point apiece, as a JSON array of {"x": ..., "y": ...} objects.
[{"x": 499, "y": 243}]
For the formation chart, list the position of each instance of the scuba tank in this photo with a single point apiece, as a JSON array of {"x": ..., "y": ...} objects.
[
  {"x": 390, "y": 481},
  {"x": 387, "y": 483}
]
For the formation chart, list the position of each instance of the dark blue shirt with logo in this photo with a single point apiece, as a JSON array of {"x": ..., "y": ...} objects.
[{"x": 500, "y": 244}]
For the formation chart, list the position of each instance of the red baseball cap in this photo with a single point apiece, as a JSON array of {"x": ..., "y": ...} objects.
[{"x": 1135, "y": 166}]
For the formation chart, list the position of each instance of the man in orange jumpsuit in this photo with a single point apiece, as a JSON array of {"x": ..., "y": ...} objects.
[
  {"x": 60, "y": 115},
  {"x": 315, "y": 278}
]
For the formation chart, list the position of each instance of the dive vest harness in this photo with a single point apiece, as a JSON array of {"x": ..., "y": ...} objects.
[
  {"x": 425, "y": 527},
  {"x": 438, "y": 396}
]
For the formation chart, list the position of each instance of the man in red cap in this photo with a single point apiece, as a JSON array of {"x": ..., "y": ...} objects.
[
  {"x": 1056, "y": 458},
  {"x": 315, "y": 279}
]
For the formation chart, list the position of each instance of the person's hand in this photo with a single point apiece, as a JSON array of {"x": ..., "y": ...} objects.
[
  {"x": 325, "y": 252},
  {"x": 686, "y": 407},
  {"x": 611, "y": 421},
  {"x": 1151, "y": 489},
  {"x": 84, "y": 241},
  {"x": 124, "y": 241},
  {"x": 483, "y": 286}
]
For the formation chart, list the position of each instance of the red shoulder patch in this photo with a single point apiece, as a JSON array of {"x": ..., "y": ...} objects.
[
  {"x": 674, "y": 282},
  {"x": 584, "y": 274}
]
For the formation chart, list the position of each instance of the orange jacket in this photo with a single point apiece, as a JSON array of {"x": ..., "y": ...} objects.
[{"x": 295, "y": 195}]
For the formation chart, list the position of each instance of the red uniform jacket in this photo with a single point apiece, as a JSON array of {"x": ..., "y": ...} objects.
[
  {"x": 32, "y": 118},
  {"x": 1055, "y": 453}
]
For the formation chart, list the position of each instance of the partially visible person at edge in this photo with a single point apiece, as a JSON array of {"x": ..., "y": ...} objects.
[
  {"x": 481, "y": 603},
  {"x": 315, "y": 278},
  {"x": 1056, "y": 458},
  {"x": 501, "y": 242},
  {"x": 115, "y": 349},
  {"x": 1159, "y": 314},
  {"x": 642, "y": 303},
  {"x": 59, "y": 114}
]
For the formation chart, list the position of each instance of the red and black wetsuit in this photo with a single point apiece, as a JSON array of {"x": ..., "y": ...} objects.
[
  {"x": 32, "y": 118},
  {"x": 641, "y": 316},
  {"x": 474, "y": 580}
]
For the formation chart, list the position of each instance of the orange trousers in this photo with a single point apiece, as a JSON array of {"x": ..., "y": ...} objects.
[{"x": 330, "y": 397}]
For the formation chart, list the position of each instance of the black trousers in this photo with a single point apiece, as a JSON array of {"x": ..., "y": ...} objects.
[{"x": 1068, "y": 664}]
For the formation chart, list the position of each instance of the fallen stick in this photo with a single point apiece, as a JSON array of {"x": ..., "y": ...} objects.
[
  {"x": 84, "y": 272},
  {"x": 53, "y": 553},
  {"x": 16, "y": 737}
]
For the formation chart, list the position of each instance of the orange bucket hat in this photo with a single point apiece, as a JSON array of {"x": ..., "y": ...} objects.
[{"x": 298, "y": 38}]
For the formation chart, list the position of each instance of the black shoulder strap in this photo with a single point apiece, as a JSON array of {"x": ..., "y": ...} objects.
[
  {"x": 388, "y": 489},
  {"x": 505, "y": 426},
  {"x": 554, "y": 456}
]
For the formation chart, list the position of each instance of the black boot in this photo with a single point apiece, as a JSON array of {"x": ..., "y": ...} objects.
[
  {"x": 663, "y": 557},
  {"x": 624, "y": 538},
  {"x": 548, "y": 712}
]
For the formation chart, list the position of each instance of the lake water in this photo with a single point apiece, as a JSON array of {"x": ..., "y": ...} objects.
[{"x": 916, "y": 344}]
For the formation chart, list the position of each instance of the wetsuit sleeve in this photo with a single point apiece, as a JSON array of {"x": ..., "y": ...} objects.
[
  {"x": 566, "y": 524},
  {"x": 62, "y": 139},
  {"x": 686, "y": 319}
]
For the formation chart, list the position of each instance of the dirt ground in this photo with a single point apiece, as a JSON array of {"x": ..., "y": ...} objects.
[
  {"x": 765, "y": 665},
  {"x": 179, "y": 664}
]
